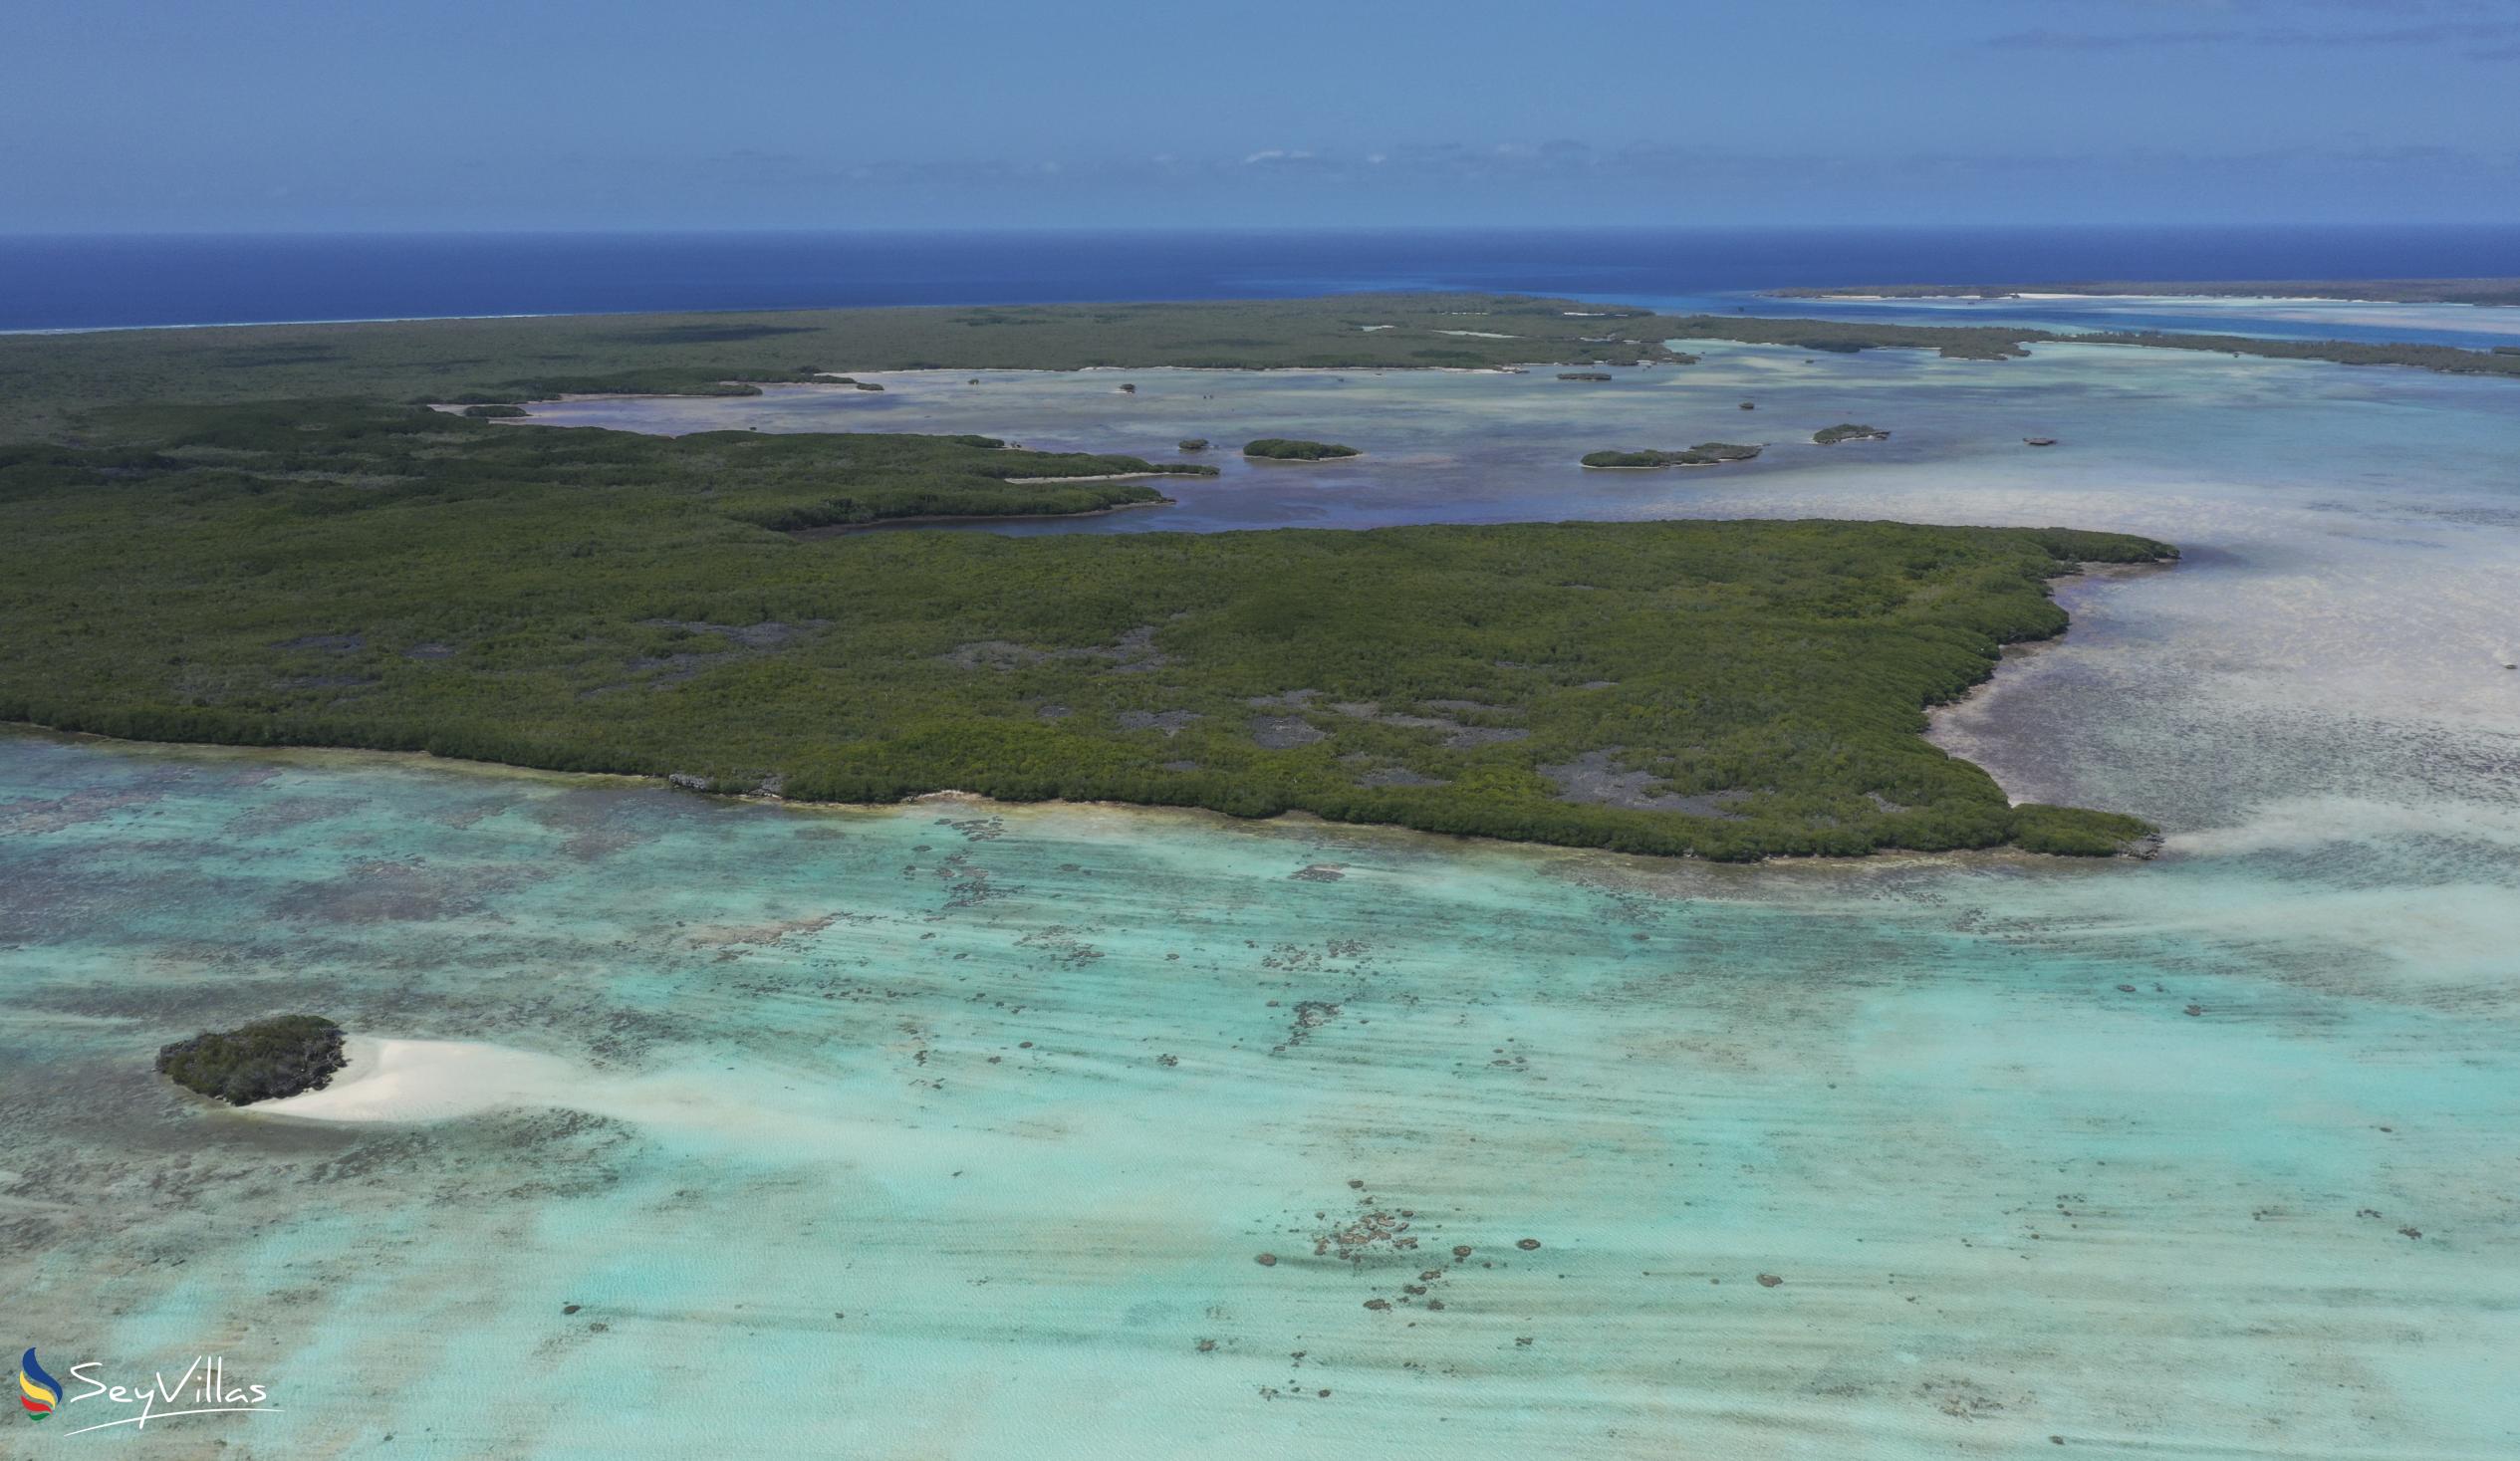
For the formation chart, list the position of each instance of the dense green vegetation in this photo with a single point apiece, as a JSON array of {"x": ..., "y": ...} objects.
[
  {"x": 389, "y": 454},
  {"x": 2390, "y": 291},
  {"x": 1703, "y": 454},
  {"x": 264, "y": 1061},
  {"x": 1838, "y": 336},
  {"x": 1287, "y": 449},
  {"x": 1848, "y": 431},
  {"x": 1194, "y": 443},
  {"x": 330, "y": 573}
]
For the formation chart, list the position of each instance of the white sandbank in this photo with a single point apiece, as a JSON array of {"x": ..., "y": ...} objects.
[
  {"x": 429, "y": 1081},
  {"x": 446, "y": 1080}
]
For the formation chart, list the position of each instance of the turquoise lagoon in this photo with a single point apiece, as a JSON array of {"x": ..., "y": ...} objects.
[{"x": 957, "y": 1130}]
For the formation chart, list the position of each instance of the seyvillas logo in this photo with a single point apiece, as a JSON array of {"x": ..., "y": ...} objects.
[
  {"x": 37, "y": 1391},
  {"x": 203, "y": 1389}
]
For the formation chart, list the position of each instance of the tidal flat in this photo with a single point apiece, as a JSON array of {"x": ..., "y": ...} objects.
[
  {"x": 959, "y": 1129},
  {"x": 2272, "y": 315}
]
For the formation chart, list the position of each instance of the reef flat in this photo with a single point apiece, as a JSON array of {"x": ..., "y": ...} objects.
[{"x": 2378, "y": 291}]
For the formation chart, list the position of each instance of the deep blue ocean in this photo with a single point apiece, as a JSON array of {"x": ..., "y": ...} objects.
[{"x": 75, "y": 283}]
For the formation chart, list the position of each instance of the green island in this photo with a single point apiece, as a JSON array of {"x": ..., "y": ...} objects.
[
  {"x": 263, "y": 1061},
  {"x": 1703, "y": 454},
  {"x": 1728, "y": 689},
  {"x": 1287, "y": 449},
  {"x": 1848, "y": 431},
  {"x": 304, "y": 539},
  {"x": 2371, "y": 291}
]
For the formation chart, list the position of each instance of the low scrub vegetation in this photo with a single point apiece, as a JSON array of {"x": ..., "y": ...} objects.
[{"x": 344, "y": 575}]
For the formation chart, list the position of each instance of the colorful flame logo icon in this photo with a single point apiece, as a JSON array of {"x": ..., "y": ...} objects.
[{"x": 37, "y": 1391}]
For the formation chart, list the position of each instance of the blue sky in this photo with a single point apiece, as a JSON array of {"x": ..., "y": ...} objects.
[{"x": 250, "y": 114}]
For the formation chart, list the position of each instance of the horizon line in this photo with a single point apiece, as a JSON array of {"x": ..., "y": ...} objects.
[{"x": 2351, "y": 225}]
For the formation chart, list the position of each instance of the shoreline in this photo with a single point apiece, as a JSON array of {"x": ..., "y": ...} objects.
[
  {"x": 843, "y": 530},
  {"x": 1662, "y": 466},
  {"x": 1289, "y": 823},
  {"x": 2052, "y": 294},
  {"x": 2017, "y": 653},
  {"x": 1102, "y": 477}
]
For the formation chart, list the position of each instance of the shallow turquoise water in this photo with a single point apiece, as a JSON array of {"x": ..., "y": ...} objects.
[
  {"x": 955, "y": 1129},
  {"x": 2475, "y": 327}
]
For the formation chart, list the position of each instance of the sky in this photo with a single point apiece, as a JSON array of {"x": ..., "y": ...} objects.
[{"x": 149, "y": 115}]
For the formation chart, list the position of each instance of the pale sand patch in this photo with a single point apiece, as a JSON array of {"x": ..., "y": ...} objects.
[
  {"x": 1104, "y": 477},
  {"x": 448, "y": 1079},
  {"x": 431, "y": 1080}
]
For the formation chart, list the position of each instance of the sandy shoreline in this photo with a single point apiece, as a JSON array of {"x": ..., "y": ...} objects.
[
  {"x": 843, "y": 530},
  {"x": 1939, "y": 718},
  {"x": 1104, "y": 477}
]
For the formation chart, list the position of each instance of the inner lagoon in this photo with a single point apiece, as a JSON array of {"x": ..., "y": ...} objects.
[{"x": 960, "y": 1129}]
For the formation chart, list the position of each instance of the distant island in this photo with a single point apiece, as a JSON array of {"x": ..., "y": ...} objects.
[
  {"x": 1848, "y": 431},
  {"x": 263, "y": 1061},
  {"x": 52, "y": 385},
  {"x": 2004, "y": 342},
  {"x": 1704, "y": 454},
  {"x": 2372, "y": 291},
  {"x": 1288, "y": 450}
]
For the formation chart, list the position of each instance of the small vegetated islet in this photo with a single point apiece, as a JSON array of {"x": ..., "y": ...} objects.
[
  {"x": 1290, "y": 450},
  {"x": 1704, "y": 454},
  {"x": 263, "y": 1061}
]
